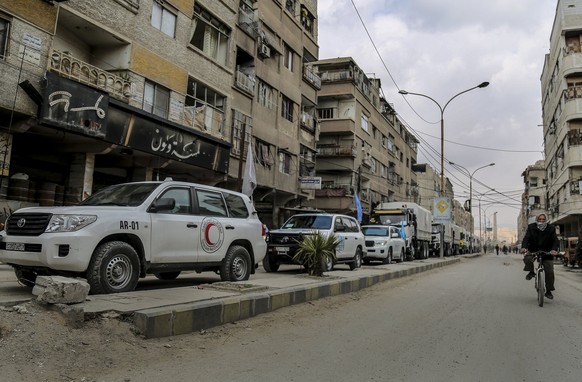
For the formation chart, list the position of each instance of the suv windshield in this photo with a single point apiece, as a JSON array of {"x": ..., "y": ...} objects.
[
  {"x": 308, "y": 221},
  {"x": 392, "y": 219},
  {"x": 130, "y": 195},
  {"x": 375, "y": 231}
]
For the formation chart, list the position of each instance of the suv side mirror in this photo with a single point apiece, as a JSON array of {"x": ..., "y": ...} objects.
[{"x": 163, "y": 205}]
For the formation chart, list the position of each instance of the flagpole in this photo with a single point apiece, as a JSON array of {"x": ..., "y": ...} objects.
[{"x": 240, "y": 157}]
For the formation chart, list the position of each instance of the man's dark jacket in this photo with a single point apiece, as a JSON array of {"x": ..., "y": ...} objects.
[{"x": 536, "y": 240}]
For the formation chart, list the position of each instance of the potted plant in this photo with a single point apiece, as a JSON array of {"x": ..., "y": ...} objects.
[{"x": 316, "y": 250}]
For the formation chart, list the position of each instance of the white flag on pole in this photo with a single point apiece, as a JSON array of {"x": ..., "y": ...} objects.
[{"x": 250, "y": 177}]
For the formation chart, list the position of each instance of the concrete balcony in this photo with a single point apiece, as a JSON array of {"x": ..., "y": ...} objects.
[{"x": 77, "y": 70}]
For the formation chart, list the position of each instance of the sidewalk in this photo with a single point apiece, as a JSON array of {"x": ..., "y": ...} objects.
[{"x": 174, "y": 311}]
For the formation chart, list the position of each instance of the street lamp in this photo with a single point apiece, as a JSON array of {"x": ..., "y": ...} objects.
[
  {"x": 480, "y": 228},
  {"x": 442, "y": 109},
  {"x": 470, "y": 175}
]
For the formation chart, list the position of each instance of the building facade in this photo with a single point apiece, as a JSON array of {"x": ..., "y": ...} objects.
[
  {"x": 561, "y": 85},
  {"x": 533, "y": 197},
  {"x": 363, "y": 147},
  {"x": 103, "y": 92}
]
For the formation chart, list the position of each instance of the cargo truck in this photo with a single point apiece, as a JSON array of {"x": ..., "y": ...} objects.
[{"x": 414, "y": 221}]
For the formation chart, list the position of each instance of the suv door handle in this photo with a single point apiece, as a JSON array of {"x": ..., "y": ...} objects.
[
  {"x": 229, "y": 227},
  {"x": 192, "y": 225}
]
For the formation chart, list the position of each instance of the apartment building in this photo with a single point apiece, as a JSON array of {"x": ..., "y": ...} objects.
[
  {"x": 533, "y": 197},
  {"x": 102, "y": 92},
  {"x": 363, "y": 147},
  {"x": 561, "y": 85}
]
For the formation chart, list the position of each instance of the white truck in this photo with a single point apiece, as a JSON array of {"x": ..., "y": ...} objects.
[
  {"x": 412, "y": 219},
  {"x": 436, "y": 239}
]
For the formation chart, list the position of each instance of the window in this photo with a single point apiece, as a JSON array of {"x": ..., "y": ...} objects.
[
  {"x": 163, "y": 19},
  {"x": 326, "y": 113},
  {"x": 263, "y": 153},
  {"x": 287, "y": 109},
  {"x": 307, "y": 20},
  {"x": 206, "y": 105},
  {"x": 365, "y": 123},
  {"x": 240, "y": 122},
  {"x": 211, "y": 35},
  {"x": 156, "y": 99},
  {"x": 290, "y": 6},
  {"x": 236, "y": 206},
  {"x": 182, "y": 198},
  {"x": 374, "y": 132},
  {"x": 284, "y": 163},
  {"x": 210, "y": 203},
  {"x": 265, "y": 97},
  {"x": 4, "y": 29},
  {"x": 288, "y": 57}
]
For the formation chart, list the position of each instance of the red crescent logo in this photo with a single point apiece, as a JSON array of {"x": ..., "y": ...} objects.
[{"x": 207, "y": 234}]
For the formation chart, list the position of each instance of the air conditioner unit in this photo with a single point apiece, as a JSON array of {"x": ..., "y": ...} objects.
[{"x": 264, "y": 51}]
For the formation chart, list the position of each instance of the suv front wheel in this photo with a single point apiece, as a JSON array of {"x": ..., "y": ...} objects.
[
  {"x": 236, "y": 265},
  {"x": 270, "y": 264},
  {"x": 357, "y": 263},
  {"x": 114, "y": 268}
]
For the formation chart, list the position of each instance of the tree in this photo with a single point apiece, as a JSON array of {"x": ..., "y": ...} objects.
[{"x": 315, "y": 251}]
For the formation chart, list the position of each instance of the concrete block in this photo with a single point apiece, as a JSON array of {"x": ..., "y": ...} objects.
[
  {"x": 154, "y": 323},
  {"x": 206, "y": 315},
  {"x": 60, "y": 290},
  {"x": 280, "y": 299}
]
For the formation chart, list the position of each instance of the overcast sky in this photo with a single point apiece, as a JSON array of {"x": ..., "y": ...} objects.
[{"x": 440, "y": 48}]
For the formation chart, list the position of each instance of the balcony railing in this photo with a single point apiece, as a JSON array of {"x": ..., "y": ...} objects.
[
  {"x": 339, "y": 151},
  {"x": 78, "y": 70},
  {"x": 337, "y": 75},
  {"x": 245, "y": 82},
  {"x": 205, "y": 118},
  {"x": 334, "y": 189},
  {"x": 310, "y": 76}
]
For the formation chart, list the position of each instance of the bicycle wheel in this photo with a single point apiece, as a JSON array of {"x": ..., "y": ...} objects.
[{"x": 541, "y": 286}]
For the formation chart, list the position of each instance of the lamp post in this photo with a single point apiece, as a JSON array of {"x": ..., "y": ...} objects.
[
  {"x": 442, "y": 109},
  {"x": 480, "y": 228},
  {"x": 470, "y": 175}
]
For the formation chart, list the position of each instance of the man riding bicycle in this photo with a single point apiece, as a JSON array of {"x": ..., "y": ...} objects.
[{"x": 540, "y": 236}]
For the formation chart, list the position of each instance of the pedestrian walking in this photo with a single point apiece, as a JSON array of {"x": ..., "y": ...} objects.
[
  {"x": 485, "y": 248},
  {"x": 497, "y": 249}
]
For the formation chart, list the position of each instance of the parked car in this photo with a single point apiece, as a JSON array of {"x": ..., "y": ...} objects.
[
  {"x": 283, "y": 243},
  {"x": 126, "y": 231},
  {"x": 384, "y": 243}
]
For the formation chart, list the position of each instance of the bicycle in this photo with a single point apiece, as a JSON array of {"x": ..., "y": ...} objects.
[{"x": 540, "y": 277}]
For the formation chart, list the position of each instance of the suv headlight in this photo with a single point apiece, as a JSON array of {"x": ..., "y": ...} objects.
[
  {"x": 69, "y": 223},
  {"x": 381, "y": 242}
]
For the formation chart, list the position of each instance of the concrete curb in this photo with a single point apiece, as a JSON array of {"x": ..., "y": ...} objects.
[{"x": 187, "y": 318}]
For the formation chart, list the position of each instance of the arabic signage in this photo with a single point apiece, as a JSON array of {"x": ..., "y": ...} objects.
[
  {"x": 173, "y": 143},
  {"x": 311, "y": 183},
  {"x": 72, "y": 106}
]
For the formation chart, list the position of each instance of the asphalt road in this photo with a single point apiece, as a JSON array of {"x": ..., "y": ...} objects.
[{"x": 474, "y": 321}]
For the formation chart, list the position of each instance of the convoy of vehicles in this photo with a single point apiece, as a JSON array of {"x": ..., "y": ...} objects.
[
  {"x": 435, "y": 245},
  {"x": 383, "y": 242},
  {"x": 283, "y": 243},
  {"x": 414, "y": 221},
  {"x": 126, "y": 231}
]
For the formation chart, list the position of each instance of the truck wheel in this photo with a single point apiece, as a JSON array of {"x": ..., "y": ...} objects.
[
  {"x": 25, "y": 277},
  {"x": 388, "y": 258},
  {"x": 167, "y": 275},
  {"x": 411, "y": 254},
  {"x": 357, "y": 263},
  {"x": 114, "y": 268},
  {"x": 236, "y": 265},
  {"x": 269, "y": 264}
]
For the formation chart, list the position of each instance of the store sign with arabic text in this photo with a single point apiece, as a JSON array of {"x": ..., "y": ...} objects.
[{"x": 73, "y": 106}]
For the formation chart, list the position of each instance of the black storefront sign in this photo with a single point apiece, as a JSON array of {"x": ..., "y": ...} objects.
[
  {"x": 139, "y": 132},
  {"x": 84, "y": 110},
  {"x": 75, "y": 107}
]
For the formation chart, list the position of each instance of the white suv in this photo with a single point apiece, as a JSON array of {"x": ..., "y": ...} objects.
[
  {"x": 283, "y": 243},
  {"x": 126, "y": 231},
  {"x": 384, "y": 242}
]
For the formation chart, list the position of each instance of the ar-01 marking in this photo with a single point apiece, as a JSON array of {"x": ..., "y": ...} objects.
[{"x": 124, "y": 224}]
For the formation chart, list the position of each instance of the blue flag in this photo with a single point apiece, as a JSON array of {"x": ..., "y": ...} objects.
[
  {"x": 359, "y": 208},
  {"x": 402, "y": 232}
]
